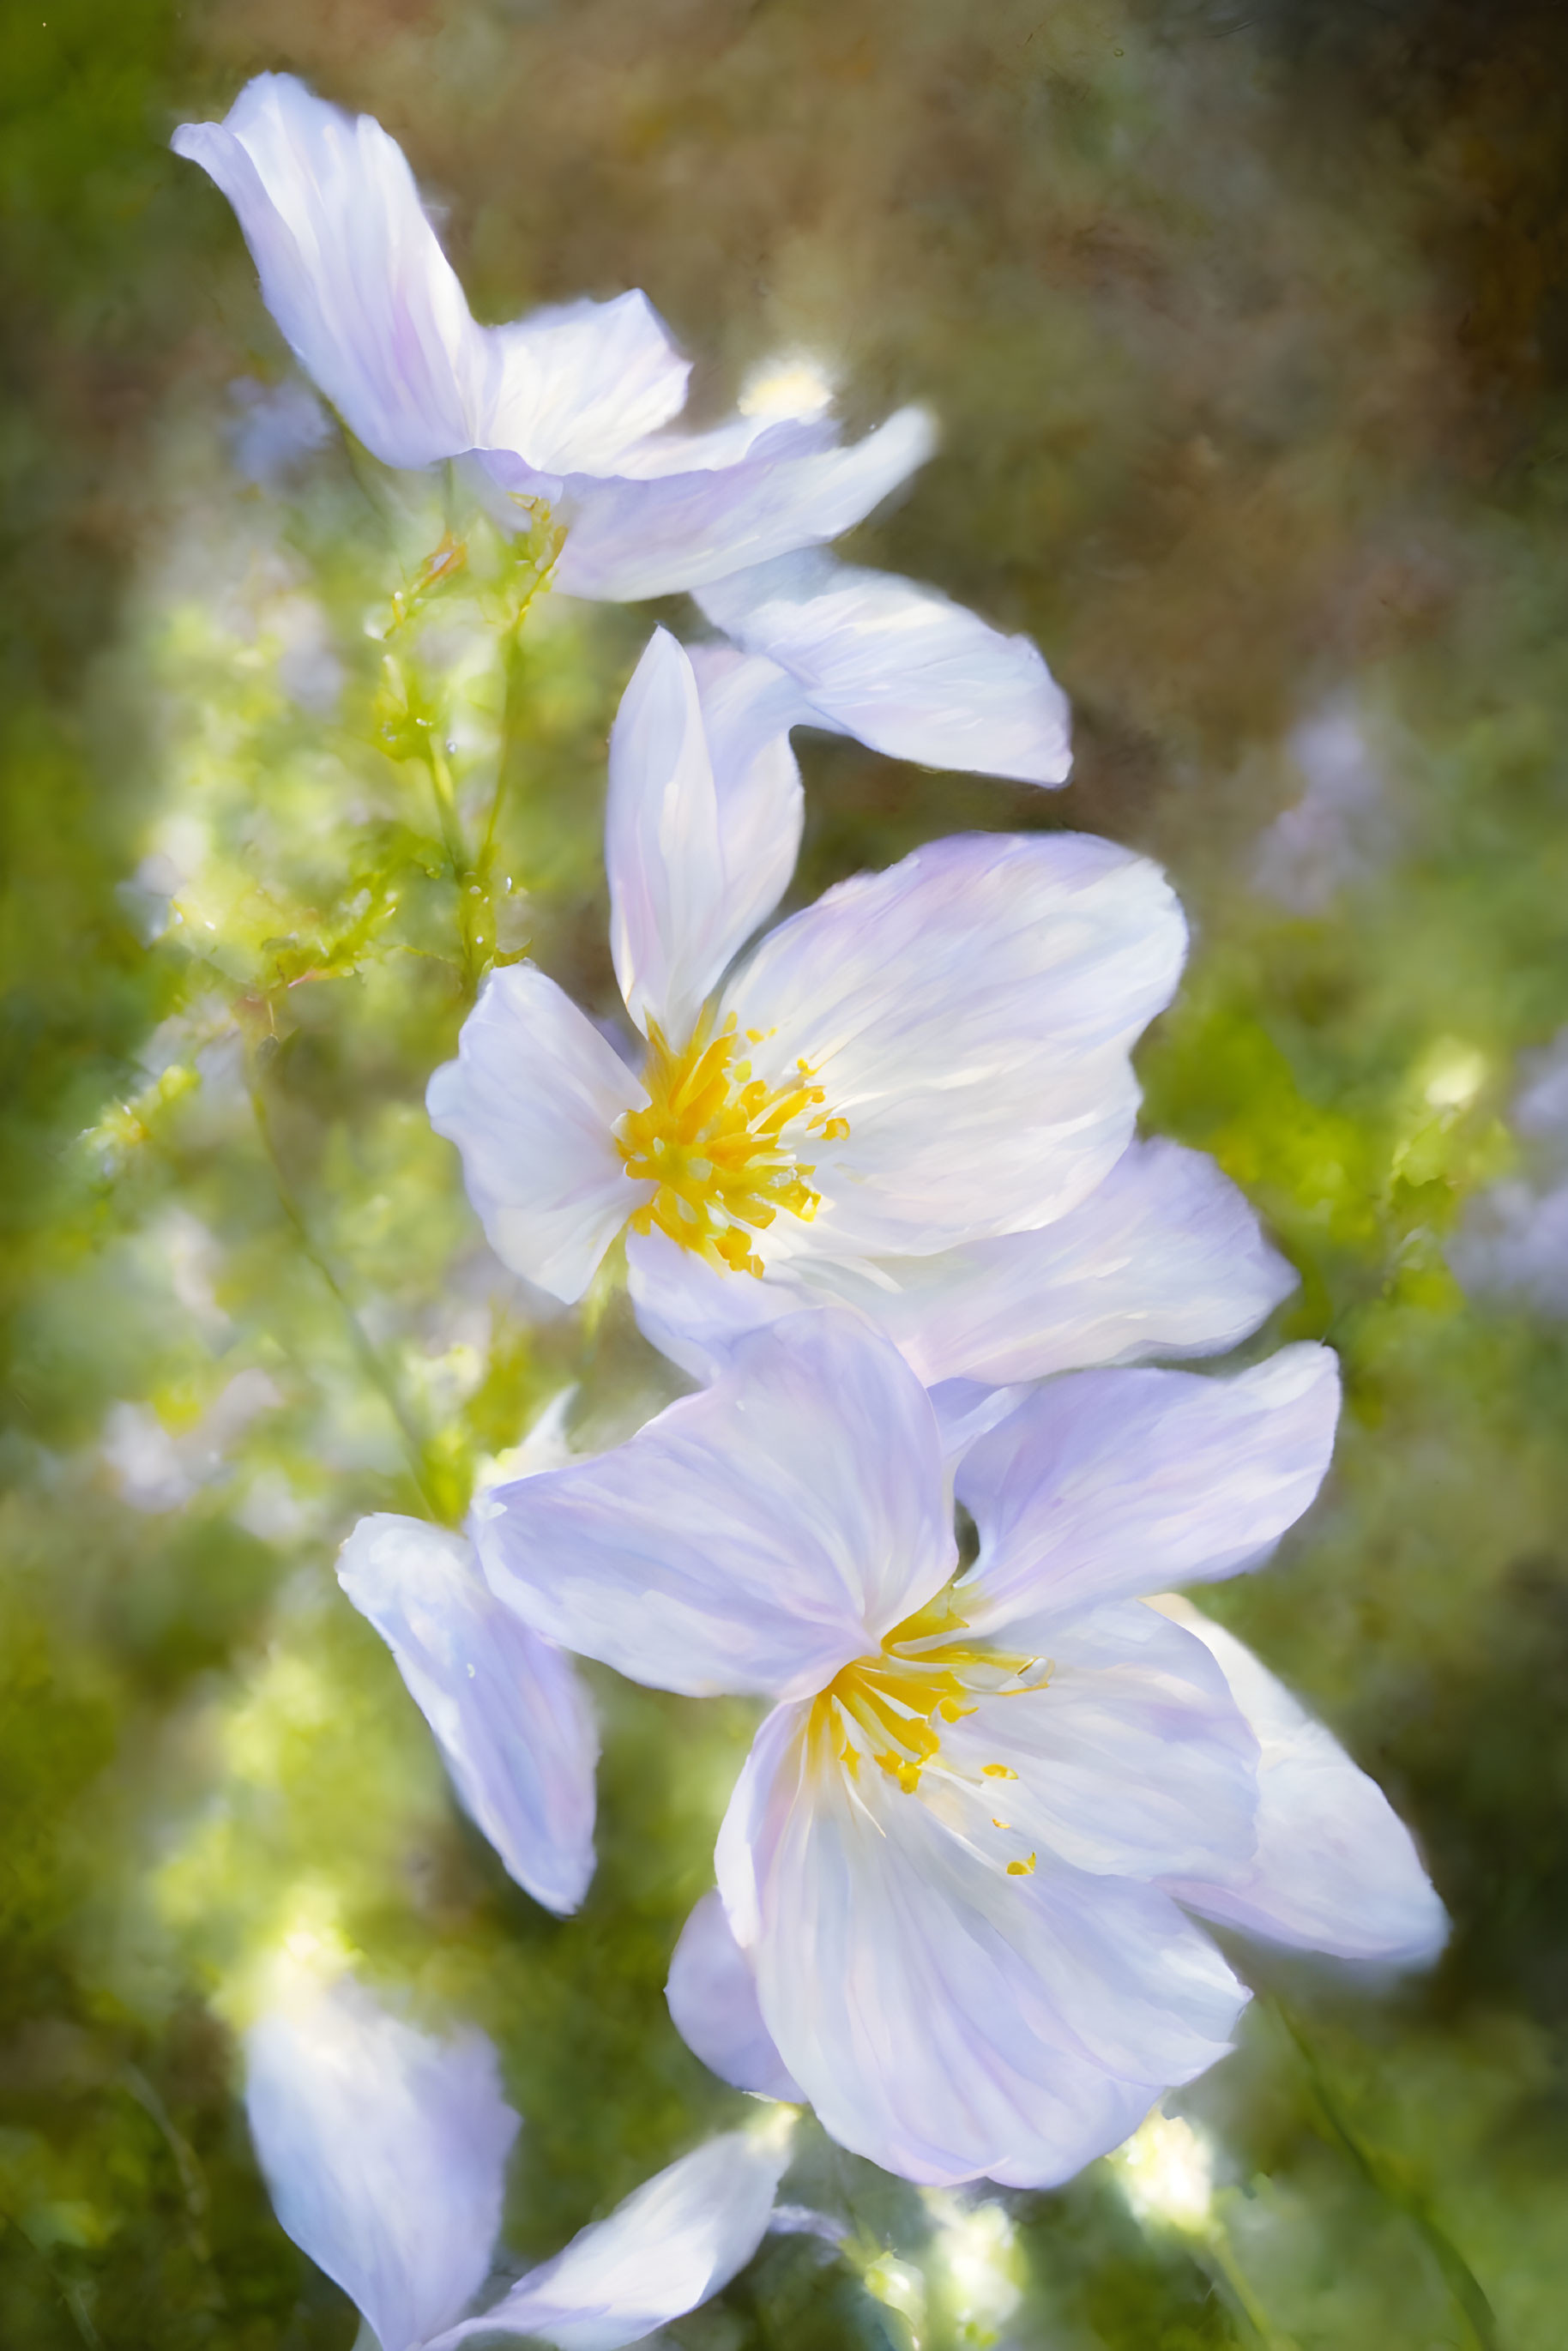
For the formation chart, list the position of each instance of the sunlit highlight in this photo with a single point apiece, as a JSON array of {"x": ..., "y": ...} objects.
[
  {"x": 790, "y": 383},
  {"x": 974, "y": 2266},
  {"x": 1166, "y": 2171}
]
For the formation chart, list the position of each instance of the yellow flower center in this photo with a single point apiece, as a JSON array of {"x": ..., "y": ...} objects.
[
  {"x": 713, "y": 1139},
  {"x": 888, "y": 1707}
]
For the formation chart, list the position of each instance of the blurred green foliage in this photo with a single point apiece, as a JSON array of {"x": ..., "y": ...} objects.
[{"x": 1247, "y": 329}]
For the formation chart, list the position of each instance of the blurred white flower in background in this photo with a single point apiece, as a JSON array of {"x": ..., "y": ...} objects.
[
  {"x": 274, "y": 429},
  {"x": 156, "y": 1469},
  {"x": 974, "y": 2267},
  {"x": 1166, "y": 2174},
  {"x": 1341, "y": 830},
  {"x": 1514, "y": 1243}
]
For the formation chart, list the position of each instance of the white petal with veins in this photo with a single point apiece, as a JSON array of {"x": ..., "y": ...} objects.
[
  {"x": 900, "y": 667},
  {"x": 1335, "y": 1868},
  {"x": 383, "y": 2152},
  {"x": 509, "y": 1712},
  {"x": 745, "y": 1538},
  {"x": 532, "y": 1102}
]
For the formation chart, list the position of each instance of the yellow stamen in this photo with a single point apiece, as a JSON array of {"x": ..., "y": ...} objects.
[
  {"x": 920, "y": 1677},
  {"x": 1021, "y": 1868},
  {"x": 713, "y": 1139}
]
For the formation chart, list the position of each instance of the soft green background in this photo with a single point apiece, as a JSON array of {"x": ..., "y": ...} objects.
[{"x": 1248, "y": 326}]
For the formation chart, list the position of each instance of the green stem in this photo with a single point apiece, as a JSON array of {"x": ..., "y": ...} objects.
[
  {"x": 1464, "y": 2287},
  {"x": 1223, "y": 2255},
  {"x": 137, "y": 2086},
  {"x": 446, "y": 810},
  {"x": 360, "y": 1340},
  {"x": 465, "y": 878},
  {"x": 69, "y": 2294},
  {"x": 509, "y": 702},
  {"x": 371, "y": 488}
]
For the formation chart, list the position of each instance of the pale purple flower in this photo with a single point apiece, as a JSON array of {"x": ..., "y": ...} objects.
[
  {"x": 570, "y": 408},
  {"x": 384, "y": 2151},
  {"x": 276, "y": 429},
  {"x": 1342, "y": 829},
  {"x": 1514, "y": 1243},
  {"x": 564, "y": 407},
  {"x": 957, "y": 1867},
  {"x": 509, "y": 1712},
  {"x": 157, "y": 1470},
  {"x": 914, "y": 1097}
]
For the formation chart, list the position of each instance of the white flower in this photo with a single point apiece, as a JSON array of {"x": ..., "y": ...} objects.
[
  {"x": 952, "y": 1866},
  {"x": 384, "y": 2152},
  {"x": 908, "y": 1098},
  {"x": 508, "y": 1711},
  {"x": 564, "y": 406},
  {"x": 156, "y": 1470}
]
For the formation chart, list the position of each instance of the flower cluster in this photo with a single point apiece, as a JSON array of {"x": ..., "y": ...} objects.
[{"x": 874, "y": 1183}]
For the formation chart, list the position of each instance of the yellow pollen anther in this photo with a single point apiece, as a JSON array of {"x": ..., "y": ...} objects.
[
  {"x": 1021, "y": 1868},
  {"x": 887, "y": 1707},
  {"x": 713, "y": 1138}
]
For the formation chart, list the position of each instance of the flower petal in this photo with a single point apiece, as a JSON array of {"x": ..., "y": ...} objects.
[
  {"x": 511, "y": 1717},
  {"x": 1335, "y": 1869},
  {"x": 383, "y": 2152},
  {"x": 1104, "y": 1483},
  {"x": 1133, "y": 1751},
  {"x": 675, "y": 2241},
  {"x": 662, "y": 851},
  {"x": 350, "y": 268},
  {"x": 699, "y": 838},
  {"x": 748, "y": 707},
  {"x": 945, "y": 2019},
  {"x": 580, "y": 383},
  {"x": 711, "y": 1994},
  {"x": 965, "y": 1409},
  {"x": 720, "y": 446},
  {"x": 628, "y": 537},
  {"x": 754, "y": 1537},
  {"x": 531, "y": 1102},
  {"x": 692, "y": 1313},
  {"x": 970, "y": 1012},
  {"x": 1164, "y": 1257},
  {"x": 900, "y": 667}
]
